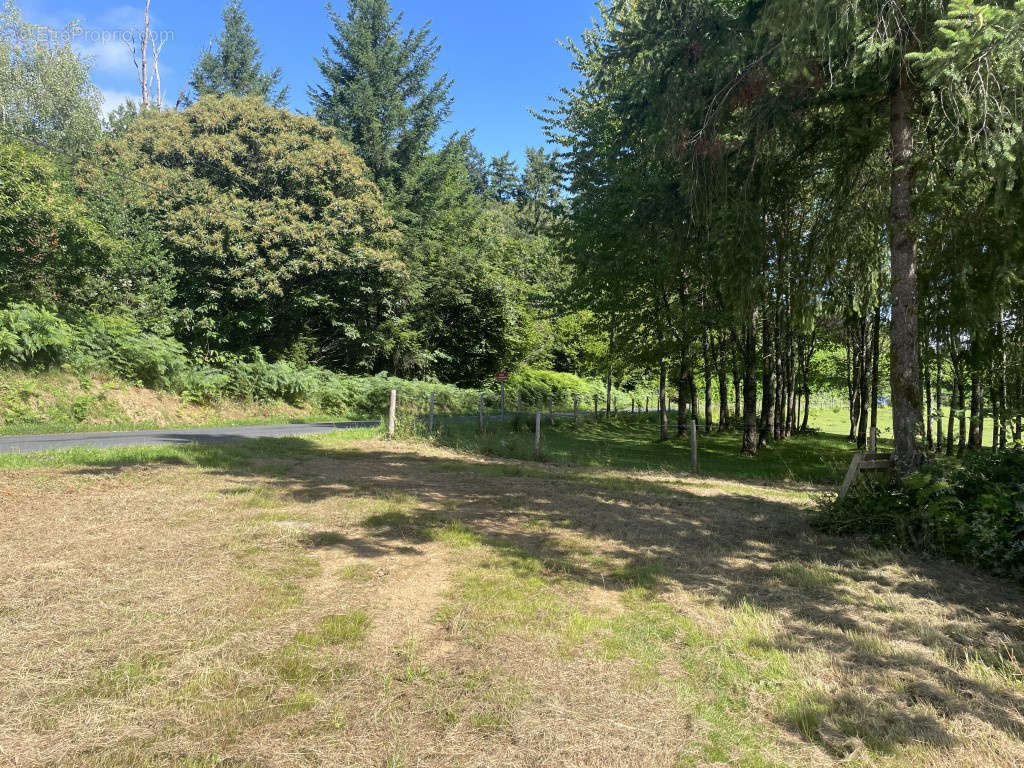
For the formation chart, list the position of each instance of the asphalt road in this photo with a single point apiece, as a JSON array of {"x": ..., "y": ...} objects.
[{"x": 30, "y": 443}]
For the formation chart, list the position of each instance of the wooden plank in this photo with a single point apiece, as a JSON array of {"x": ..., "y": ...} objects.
[
  {"x": 851, "y": 475},
  {"x": 874, "y": 466}
]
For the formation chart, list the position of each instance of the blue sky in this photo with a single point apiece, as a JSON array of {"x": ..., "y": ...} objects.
[{"x": 502, "y": 54}]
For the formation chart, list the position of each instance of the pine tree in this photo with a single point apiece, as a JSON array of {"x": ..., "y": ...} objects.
[
  {"x": 378, "y": 92},
  {"x": 234, "y": 64},
  {"x": 541, "y": 192},
  {"x": 503, "y": 179}
]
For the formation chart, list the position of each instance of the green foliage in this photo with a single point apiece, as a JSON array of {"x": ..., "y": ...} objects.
[
  {"x": 377, "y": 90},
  {"x": 45, "y": 90},
  {"x": 540, "y": 387},
  {"x": 35, "y": 338},
  {"x": 52, "y": 251},
  {"x": 31, "y": 337},
  {"x": 275, "y": 230},
  {"x": 234, "y": 64},
  {"x": 973, "y": 512},
  {"x": 118, "y": 345}
]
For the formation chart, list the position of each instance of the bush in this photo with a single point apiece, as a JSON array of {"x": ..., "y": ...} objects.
[
  {"x": 539, "y": 386},
  {"x": 119, "y": 346},
  {"x": 972, "y": 512},
  {"x": 33, "y": 337}
]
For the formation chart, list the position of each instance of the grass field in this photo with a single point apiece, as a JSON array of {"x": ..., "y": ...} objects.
[
  {"x": 631, "y": 442},
  {"x": 343, "y": 601}
]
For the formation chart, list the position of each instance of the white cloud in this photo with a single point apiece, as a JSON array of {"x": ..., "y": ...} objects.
[
  {"x": 106, "y": 54},
  {"x": 113, "y": 99}
]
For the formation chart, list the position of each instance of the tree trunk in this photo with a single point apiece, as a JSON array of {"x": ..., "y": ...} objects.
[
  {"x": 853, "y": 385},
  {"x": 929, "y": 435},
  {"x": 1001, "y": 383},
  {"x": 876, "y": 332},
  {"x": 737, "y": 391},
  {"x": 723, "y": 387},
  {"x": 977, "y": 418},
  {"x": 684, "y": 393},
  {"x": 708, "y": 412},
  {"x": 952, "y": 415},
  {"x": 791, "y": 389},
  {"x": 962, "y": 408},
  {"x": 865, "y": 387},
  {"x": 939, "y": 441},
  {"x": 750, "y": 388},
  {"x": 906, "y": 382},
  {"x": 662, "y": 405},
  {"x": 693, "y": 397},
  {"x": 767, "y": 386}
]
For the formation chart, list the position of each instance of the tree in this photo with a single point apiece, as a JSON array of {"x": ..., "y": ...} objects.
[
  {"x": 52, "y": 250},
  {"x": 46, "y": 95},
  {"x": 277, "y": 230},
  {"x": 146, "y": 46},
  {"x": 234, "y": 64},
  {"x": 503, "y": 179},
  {"x": 378, "y": 92},
  {"x": 903, "y": 55},
  {"x": 540, "y": 194}
]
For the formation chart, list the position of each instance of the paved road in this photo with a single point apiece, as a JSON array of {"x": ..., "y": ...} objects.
[{"x": 29, "y": 443}]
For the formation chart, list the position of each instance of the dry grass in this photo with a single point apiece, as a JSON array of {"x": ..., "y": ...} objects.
[{"x": 380, "y": 605}]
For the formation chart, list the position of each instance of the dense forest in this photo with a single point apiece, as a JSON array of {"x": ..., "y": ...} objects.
[{"x": 745, "y": 205}]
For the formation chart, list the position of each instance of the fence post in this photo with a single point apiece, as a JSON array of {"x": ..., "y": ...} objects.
[
  {"x": 481, "y": 414},
  {"x": 551, "y": 411},
  {"x": 536, "y": 435},
  {"x": 519, "y": 408},
  {"x": 431, "y": 421},
  {"x": 693, "y": 445},
  {"x": 647, "y": 405},
  {"x": 391, "y": 413},
  {"x": 597, "y": 412},
  {"x": 576, "y": 408}
]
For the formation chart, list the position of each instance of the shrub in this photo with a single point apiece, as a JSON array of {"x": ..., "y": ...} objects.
[
  {"x": 119, "y": 346},
  {"x": 539, "y": 386},
  {"x": 32, "y": 337},
  {"x": 972, "y": 512}
]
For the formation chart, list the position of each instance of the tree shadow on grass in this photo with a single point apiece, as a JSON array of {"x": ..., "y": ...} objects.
[{"x": 726, "y": 548}]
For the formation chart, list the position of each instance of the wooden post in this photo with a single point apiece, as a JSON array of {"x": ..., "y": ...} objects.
[
  {"x": 503, "y": 402},
  {"x": 431, "y": 420},
  {"x": 632, "y": 405},
  {"x": 392, "y": 407},
  {"x": 693, "y": 445},
  {"x": 576, "y": 408},
  {"x": 551, "y": 411},
  {"x": 481, "y": 414},
  {"x": 519, "y": 408},
  {"x": 536, "y": 435},
  {"x": 597, "y": 412},
  {"x": 647, "y": 405}
]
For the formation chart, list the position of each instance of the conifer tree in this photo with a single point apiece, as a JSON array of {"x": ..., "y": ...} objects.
[
  {"x": 234, "y": 64},
  {"x": 378, "y": 91}
]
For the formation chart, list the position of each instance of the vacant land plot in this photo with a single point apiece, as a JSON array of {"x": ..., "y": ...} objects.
[{"x": 301, "y": 603}]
